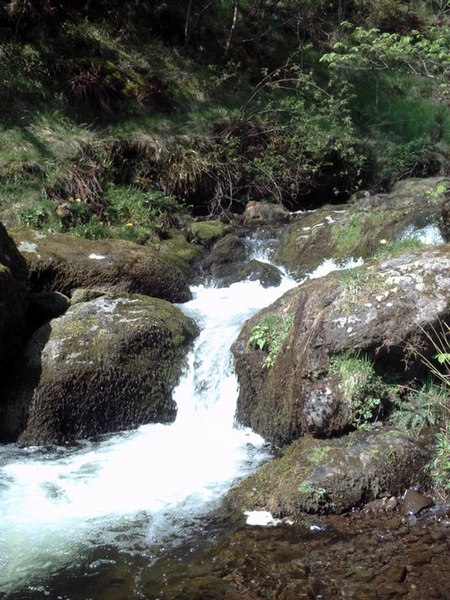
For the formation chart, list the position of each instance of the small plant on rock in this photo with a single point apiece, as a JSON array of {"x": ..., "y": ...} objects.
[
  {"x": 318, "y": 494},
  {"x": 361, "y": 387},
  {"x": 269, "y": 334}
]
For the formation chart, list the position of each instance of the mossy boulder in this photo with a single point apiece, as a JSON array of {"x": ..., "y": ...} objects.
[
  {"x": 231, "y": 249},
  {"x": 206, "y": 233},
  {"x": 105, "y": 365},
  {"x": 176, "y": 250},
  {"x": 62, "y": 263},
  {"x": 333, "y": 475},
  {"x": 360, "y": 229},
  {"x": 378, "y": 312},
  {"x": 13, "y": 298}
]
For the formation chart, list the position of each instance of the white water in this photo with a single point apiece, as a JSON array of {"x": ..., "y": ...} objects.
[{"x": 136, "y": 488}]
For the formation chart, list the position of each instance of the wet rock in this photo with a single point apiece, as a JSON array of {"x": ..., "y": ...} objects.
[
  {"x": 379, "y": 311},
  {"x": 253, "y": 270},
  {"x": 105, "y": 365},
  {"x": 230, "y": 249},
  {"x": 358, "y": 230},
  {"x": 206, "y": 233},
  {"x": 332, "y": 475},
  {"x": 413, "y": 502},
  {"x": 62, "y": 263}
]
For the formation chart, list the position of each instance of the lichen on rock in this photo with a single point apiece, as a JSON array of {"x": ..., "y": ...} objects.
[{"x": 105, "y": 365}]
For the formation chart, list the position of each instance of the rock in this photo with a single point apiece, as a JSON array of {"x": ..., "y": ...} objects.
[
  {"x": 332, "y": 475},
  {"x": 413, "y": 502},
  {"x": 379, "y": 311},
  {"x": 358, "y": 230},
  {"x": 253, "y": 270},
  {"x": 177, "y": 251},
  {"x": 263, "y": 212},
  {"x": 62, "y": 263},
  {"x": 206, "y": 233},
  {"x": 44, "y": 306},
  {"x": 230, "y": 249},
  {"x": 105, "y": 365},
  {"x": 13, "y": 299}
]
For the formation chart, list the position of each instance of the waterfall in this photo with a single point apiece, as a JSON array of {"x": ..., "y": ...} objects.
[
  {"x": 137, "y": 491},
  {"x": 137, "y": 488}
]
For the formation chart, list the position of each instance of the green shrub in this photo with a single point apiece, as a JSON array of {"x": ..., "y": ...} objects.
[{"x": 440, "y": 464}]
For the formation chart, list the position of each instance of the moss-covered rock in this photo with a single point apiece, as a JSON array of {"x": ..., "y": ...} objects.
[
  {"x": 206, "y": 233},
  {"x": 176, "y": 250},
  {"x": 105, "y": 365},
  {"x": 253, "y": 270},
  {"x": 62, "y": 263},
  {"x": 333, "y": 475},
  {"x": 379, "y": 311},
  {"x": 256, "y": 213},
  {"x": 231, "y": 249},
  {"x": 356, "y": 230}
]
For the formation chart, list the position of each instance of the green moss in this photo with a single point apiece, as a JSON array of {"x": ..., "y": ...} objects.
[{"x": 206, "y": 232}]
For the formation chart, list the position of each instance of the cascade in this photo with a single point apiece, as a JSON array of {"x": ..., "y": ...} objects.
[{"x": 137, "y": 491}]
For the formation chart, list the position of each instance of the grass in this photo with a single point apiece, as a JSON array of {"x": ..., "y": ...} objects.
[{"x": 362, "y": 389}]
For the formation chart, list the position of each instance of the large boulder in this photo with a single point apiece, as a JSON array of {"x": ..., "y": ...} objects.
[
  {"x": 315, "y": 378},
  {"x": 333, "y": 475},
  {"x": 13, "y": 298},
  {"x": 361, "y": 228},
  {"x": 105, "y": 365},
  {"x": 62, "y": 263}
]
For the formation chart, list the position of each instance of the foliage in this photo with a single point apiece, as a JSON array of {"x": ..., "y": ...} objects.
[
  {"x": 362, "y": 389},
  {"x": 422, "y": 408},
  {"x": 408, "y": 244},
  {"x": 269, "y": 334},
  {"x": 440, "y": 464},
  {"x": 308, "y": 488},
  {"x": 306, "y": 140},
  {"x": 426, "y": 55}
]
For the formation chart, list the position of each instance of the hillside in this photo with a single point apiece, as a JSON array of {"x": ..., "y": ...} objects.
[{"x": 117, "y": 114}]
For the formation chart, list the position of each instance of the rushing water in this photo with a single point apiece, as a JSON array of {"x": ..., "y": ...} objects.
[
  {"x": 62, "y": 510},
  {"x": 139, "y": 489}
]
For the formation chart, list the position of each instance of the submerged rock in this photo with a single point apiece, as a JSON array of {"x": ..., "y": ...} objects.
[
  {"x": 105, "y": 365},
  {"x": 62, "y": 263},
  {"x": 380, "y": 311},
  {"x": 332, "y": 475}
]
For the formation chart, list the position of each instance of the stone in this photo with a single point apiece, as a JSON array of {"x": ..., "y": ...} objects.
[
  {"x": 361, "y": 229},
  {"x": 13, "y": 299},
  {"x": 62, "y": 263},
  {"x": 380, "y": 311},
  {"x": 413, "y": 502},
  {"x": 105, "y": 365},
  {"x": 333, "y": 475}
]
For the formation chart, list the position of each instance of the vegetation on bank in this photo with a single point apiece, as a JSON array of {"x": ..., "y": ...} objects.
[{"x": 117, "y": 113}]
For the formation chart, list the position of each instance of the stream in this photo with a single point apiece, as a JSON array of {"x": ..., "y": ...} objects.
[
  {"x": 63, "y": 510},
  {"x": 136, "y": 514}
]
